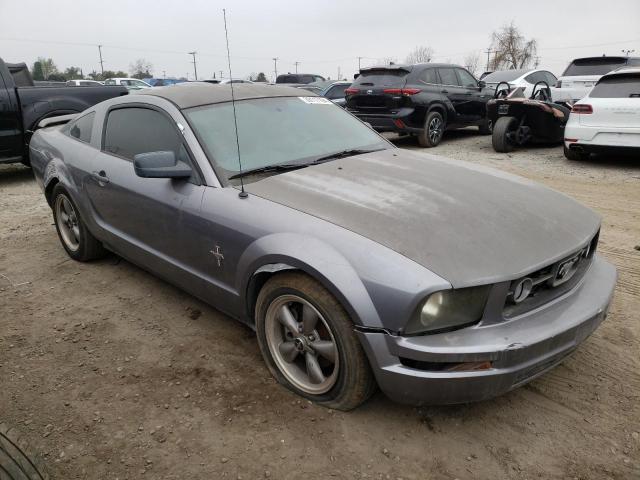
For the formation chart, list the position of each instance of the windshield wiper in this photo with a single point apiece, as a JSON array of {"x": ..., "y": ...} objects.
[
  {"x": 269, "y": 168},
  {"x": 343, "y": 154}
]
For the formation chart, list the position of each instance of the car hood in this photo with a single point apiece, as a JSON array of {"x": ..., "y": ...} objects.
[{"x": 466, "y": 223}]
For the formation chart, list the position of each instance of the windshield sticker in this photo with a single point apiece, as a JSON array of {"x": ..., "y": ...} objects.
[{"x": 316, "y": 100}]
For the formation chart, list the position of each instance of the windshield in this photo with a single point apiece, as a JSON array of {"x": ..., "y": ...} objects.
[
  {"x": 593, "y": 66},
  {"x": 277, "y": 131},
  {"x": 504, "y": 76},
  {"x": 618, "y": 86}
]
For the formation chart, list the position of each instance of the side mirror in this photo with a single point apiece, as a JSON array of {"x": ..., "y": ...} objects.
[
  {"x": 160, "y": 165},
  {"x": 482, "y": 84}
]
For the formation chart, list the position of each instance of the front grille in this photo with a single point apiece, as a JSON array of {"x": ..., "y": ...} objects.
[{"x": 549, "y": 282}]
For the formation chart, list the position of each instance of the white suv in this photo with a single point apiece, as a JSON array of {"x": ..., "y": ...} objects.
[
  {"x": 583, "y": 73},
  {"x": 607, "y": 119}
]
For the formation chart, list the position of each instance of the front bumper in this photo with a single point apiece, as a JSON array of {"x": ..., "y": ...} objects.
[{"x": 519, "y": 349}]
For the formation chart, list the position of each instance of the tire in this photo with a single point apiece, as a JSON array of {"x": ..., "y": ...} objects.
[
  {"x": 499, "y": 138},
  {"x": 574, "y": 155},
  {"x": 16, "y": 461},
  {"x": 486, "y": 127},
  {"x": 85, "y": 247},
  {"x": 433, "y": 131},
  {"x": 348, "y": 380}
]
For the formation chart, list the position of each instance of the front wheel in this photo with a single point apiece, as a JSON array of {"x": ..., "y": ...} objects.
[
  {"x": 500, "y": 139},
  {"x": 308, "y": 342},
  {"x": 433, "y": 130},
  {"x": 74, "y": 235}
]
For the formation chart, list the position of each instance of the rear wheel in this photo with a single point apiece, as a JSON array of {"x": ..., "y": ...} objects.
[
  {"x": 433, "y": 130},
  {"x": 16, "y": 461},
  {"x": 486, "y": 127},
  {"x": 501, "y": 130},
  {"x": 308, "y": 342},
  {"x": 74, "y": 235},
  {"x": 574, "y": 154}
]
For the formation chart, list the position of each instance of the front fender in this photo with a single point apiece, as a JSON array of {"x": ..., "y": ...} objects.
[{"x": 316, "y": 258}]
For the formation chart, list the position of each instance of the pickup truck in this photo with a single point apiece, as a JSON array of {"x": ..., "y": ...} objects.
[{"x": 23, "y": 106}]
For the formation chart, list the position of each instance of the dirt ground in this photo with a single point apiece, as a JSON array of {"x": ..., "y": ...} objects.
[{"x": 113, "y": 374}]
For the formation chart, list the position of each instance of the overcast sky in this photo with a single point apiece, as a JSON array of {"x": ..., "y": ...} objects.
[{"x": 323, "y": 36}]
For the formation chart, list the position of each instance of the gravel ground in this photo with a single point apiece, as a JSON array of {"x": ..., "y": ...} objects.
[{"x": 112, "y": 373}]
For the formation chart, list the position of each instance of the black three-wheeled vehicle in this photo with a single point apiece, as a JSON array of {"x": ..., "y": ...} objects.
[{"x": 518, "y": 120}]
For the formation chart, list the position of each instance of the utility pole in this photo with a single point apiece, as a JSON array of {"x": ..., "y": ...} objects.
[
  {"x": 195, "y": 70},
  {"x": 101, "y": 63},
  {"x": 628, "y": 52},
  {"x": 275, "y": 67},
  {"x": 359, "y": 59},
  {"x": 488, "y": 51},
  {"x": 296, "y": 64},
  {"x": 338, "y": 73},
  {"x": 221, "y": 74},
  {"x": 164, "y": 74}
]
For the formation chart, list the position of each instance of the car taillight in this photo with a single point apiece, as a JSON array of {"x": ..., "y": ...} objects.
[
  {"x": 401, "y": 91},
  {"x": 351, "y": 91},
  {"x": 582, "y": 108}
]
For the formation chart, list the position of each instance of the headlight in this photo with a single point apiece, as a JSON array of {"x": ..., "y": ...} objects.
[{"x": 448, "y": 309}]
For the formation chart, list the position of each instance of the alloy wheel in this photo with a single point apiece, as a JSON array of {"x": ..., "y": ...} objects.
[
  {"x": 435, "y": 130},
  {"x": 302, "y": 344},
  {"x": 67, "y": 220}
]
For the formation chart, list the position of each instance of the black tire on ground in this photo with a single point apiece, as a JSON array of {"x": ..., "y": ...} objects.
[
  {"x": 428, "y": 137},
  {"x": 355, "y": 381},
  {"x": 574, "y": 155},
  {"x": 499, "y": 139},
  {"x": 89, "y": 248},
  {"x": 17, "y": 462},
  {"x": 486, "y": 127}
]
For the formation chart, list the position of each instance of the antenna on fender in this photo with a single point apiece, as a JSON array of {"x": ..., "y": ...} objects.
[{"x": 242, "y": 193}]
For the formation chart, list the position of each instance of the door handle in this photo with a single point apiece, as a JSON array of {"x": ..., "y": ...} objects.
[
  {"x": 100, "y": 177},
  {"x": 444, "y": 91}
]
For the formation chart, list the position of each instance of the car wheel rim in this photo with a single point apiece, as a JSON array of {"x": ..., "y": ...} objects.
[
  {"x": 302, "y": 344},
  {"x": 435, "y": 130},
  {"x": 67, "y": 221}
]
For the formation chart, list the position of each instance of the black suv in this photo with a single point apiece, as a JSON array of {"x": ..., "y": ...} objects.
[
  {"x": 422, "y": 100},
  {"x": 302, "y": 78}
]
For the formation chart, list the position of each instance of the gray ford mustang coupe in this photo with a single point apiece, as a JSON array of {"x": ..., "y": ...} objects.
[{"x": 357, "y": 263}]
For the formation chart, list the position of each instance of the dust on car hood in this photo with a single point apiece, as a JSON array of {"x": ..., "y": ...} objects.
[{"x": 468, "y": 224}]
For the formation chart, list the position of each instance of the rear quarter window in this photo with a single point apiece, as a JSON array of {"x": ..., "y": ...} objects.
[
  {"x": 619, "y": 86},
  {"x": 82, "y": 128}
]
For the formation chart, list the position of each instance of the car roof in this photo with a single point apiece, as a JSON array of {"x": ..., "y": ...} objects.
[
  {"x": 202, "y": 93},
  {"x": 622, "y": 71}
]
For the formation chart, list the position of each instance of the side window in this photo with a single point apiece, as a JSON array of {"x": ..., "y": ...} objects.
[
  {"x": 534, "y": 77},
  {"x": 448, "y": 76},
  {"x": 429, "y": 76},
  {"x": 81, "y": 128},
  {"x": 336, "y": 91},
  {"x": 466, "y": 79},
  {"x": 135, "y": 130},
  {"x": 550, "y": 78}
]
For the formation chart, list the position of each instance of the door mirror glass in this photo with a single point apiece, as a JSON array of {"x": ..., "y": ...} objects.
[{"x": 161, "y": 164}]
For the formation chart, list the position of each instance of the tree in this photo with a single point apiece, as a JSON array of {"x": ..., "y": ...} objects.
[
  {"x": 388, "y": 60},
  {"x": 472, "y": 63},
  {"x": 141, "y": 68},
  {"x": 512, "y": 50},
  {"x": 420, "y": 54},
  {"x": 73, "y": 73},
  {"x": 107, "y": 74},
  {"x": 43, "y": 68},
  {"x": 261, "y": 77}
]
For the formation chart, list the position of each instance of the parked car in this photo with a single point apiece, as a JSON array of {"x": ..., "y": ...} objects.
[
  {"x": 525, "y": 78},
  {"x": 519, "y": 119},
  {"x": 423, "y": 100},
  {"x": 129, "y": 83},
  {"x": 299, "y": 78},
  {"x": 607, "y": 120},
  {"x": 335, "y": 92},
  {"x": 83, "y": 83},
  {"x": 357, "y": 263},
  {"x": 583, "y": 73},
  {"x": 23, "y": 106}
]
